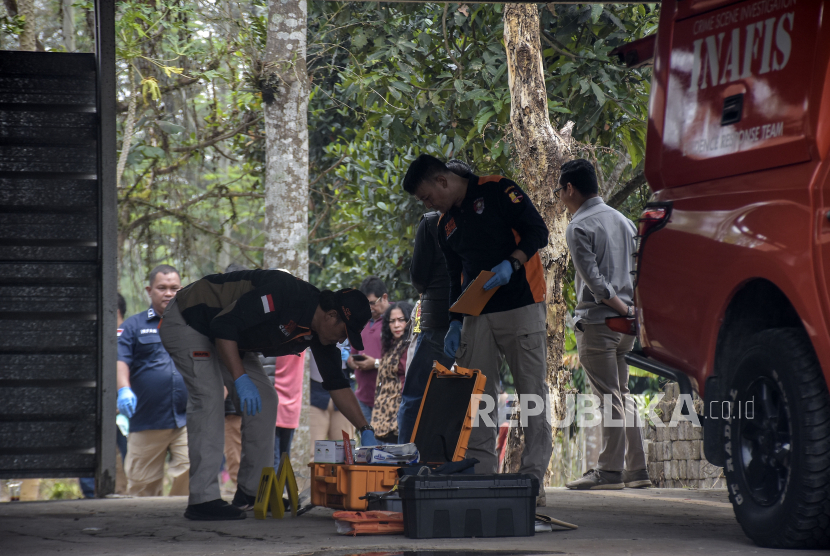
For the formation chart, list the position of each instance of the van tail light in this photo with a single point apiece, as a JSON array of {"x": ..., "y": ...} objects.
[
  {"x": 623, "y": 325},
  {"x": 653, "y": 217}
]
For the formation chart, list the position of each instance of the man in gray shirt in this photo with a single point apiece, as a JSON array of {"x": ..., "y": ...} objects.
[{"x": 601, "y": 242}]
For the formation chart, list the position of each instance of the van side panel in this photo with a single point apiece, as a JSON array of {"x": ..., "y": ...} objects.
[
  {"x": 736, "y": 82},
  {"x": 720, "y": 236},
  {"x": 657, "y": 101}
]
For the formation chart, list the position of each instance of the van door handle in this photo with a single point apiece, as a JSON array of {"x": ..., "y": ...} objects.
[{"x": 733, "y": 108}]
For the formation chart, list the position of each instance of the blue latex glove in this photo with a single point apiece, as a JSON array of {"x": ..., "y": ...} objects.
[
  {"x": 248, "y": 395},
  {"x": 503, "y": 272},
  {"x": 452, "y": 339},
  {"x": 126, "y": 401},
  {"x": 367, "y": 438},
  {"x": 345, "y": 352}
]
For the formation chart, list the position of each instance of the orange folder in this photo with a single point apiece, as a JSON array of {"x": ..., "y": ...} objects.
[
  {"x": 369, "y": 523},
  {"x": 474, "y": 298}
]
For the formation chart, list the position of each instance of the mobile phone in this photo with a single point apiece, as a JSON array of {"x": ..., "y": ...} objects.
[{"x": 359, "y": 357}]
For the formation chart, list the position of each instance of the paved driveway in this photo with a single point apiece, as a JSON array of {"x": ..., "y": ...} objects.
[{"x": 673, "y": 522}]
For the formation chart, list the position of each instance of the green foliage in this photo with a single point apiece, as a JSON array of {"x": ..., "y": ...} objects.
[
  {"x": 62, "y": 489},
  {"x": 191, "y": 193},
  {"x": 389, "y": 85},
  {"x": 12, "y": 25},
  {"x": 388, "y": 82},
  {"x": 609, "y": 102}
]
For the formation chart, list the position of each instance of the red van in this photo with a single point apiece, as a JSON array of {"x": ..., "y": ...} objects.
[{"x": 733, "y": 265}]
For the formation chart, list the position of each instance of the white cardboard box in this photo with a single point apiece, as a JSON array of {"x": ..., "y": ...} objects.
[{"x": 330, "y": 451}]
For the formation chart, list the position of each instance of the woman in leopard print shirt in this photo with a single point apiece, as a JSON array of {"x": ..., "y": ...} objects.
[{"x": 391, "y": 372}]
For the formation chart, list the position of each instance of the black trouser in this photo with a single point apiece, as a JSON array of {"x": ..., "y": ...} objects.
[{"x": 429, "y": 348}]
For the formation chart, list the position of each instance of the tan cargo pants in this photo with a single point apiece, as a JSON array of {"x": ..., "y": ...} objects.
[
  {"x": 233, "y": 445},
  {"x": 519, "y": 334},
  {"x": 602, "y": 355},
  {"x": 328, "y": 424},
  {"x": 144, "y": 466},
  {"x": 203, "y": 372}
]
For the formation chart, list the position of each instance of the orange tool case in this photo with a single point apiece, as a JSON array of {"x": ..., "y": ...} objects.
[{"x": 441, "y": 434}]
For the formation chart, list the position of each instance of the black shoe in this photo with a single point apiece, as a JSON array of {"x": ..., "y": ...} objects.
[
  {"x": 243, "y": 501},
  {"x": 215, "y": 510}
]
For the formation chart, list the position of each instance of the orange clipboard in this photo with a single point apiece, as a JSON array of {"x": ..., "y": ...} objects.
[{"x": 474, "y": 298}]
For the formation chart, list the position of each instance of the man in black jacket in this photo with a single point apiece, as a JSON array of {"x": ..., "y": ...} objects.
[
  {"x": 488, "y": 223},
  {"x": 213, "y": 330},
  {"x": 428, "y": 272}
]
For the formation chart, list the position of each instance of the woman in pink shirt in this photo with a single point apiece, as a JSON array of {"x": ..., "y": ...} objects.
[{"x": 288, "y": 382}]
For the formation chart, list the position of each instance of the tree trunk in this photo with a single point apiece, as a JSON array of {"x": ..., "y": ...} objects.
[
  {"x": 11, "y": 7},
  {"x": 90, "y": 24},
  {"x": 68, "y": 30},
  {"x": 285, "y": 94},
  {"x": 28, "y": 38},
  {"x": 539, "y": 152}
]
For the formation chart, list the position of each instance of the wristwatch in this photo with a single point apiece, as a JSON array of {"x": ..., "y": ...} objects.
[
  {"x": 630, "y": 311},
  {"x": 515, "y": 263},
  {"x": 365, "y": 428},
  {"x": 377, "y": 363}
]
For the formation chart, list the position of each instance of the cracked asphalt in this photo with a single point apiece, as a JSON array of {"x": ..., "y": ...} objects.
[{"x": 655, "y": 521}]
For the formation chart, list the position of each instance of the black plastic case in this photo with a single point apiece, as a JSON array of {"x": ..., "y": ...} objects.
[{"x": 455, "y": 506}]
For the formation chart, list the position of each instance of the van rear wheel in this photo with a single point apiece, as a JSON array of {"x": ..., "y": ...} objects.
[{"x": 777, "y": 442}]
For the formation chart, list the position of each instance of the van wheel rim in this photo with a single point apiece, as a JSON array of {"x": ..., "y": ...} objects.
[{"x": 765, "y": 441}]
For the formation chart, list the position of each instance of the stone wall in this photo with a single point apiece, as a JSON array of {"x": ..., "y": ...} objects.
[{"x": 675, "y": 454}]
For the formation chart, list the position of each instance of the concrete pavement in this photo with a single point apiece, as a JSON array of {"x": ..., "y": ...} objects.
[{"x": 655, "y": 521}]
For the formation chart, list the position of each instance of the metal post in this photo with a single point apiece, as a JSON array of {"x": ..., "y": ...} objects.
[{"x": 107, "y": 248}]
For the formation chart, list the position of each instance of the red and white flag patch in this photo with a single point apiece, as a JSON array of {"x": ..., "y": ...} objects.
[
  {"x": 267, "y": 303},
  {"x": 119, "y": 331}
]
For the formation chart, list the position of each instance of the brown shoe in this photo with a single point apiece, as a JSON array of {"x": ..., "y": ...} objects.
[{"x": 596, "y": 479}]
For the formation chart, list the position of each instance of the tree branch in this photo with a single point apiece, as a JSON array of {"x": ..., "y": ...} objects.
[
  {"x": 127, "y": 135},
  {"x": 220, "y": 151},
  {"x": 324, "y": 172},
  {"x": 199, "y": 226},
  {"x": 619, "y": 167},
  {"x": 319, "y": 220},
  {"x": 447, "y": 42},
  {"x": 215, "y": 139},
  {"x": 161, "y": 211},
  {"x": 182, "y": 81},
  {"x": 173, "y": 167},
  {"x": 619, "y": 196},
  {"x": 335, "y": 234},
  {"x": 549, "y": 39}
]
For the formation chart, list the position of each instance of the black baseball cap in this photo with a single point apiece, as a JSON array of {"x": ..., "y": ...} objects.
[{"x": 353, "y": 308}]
